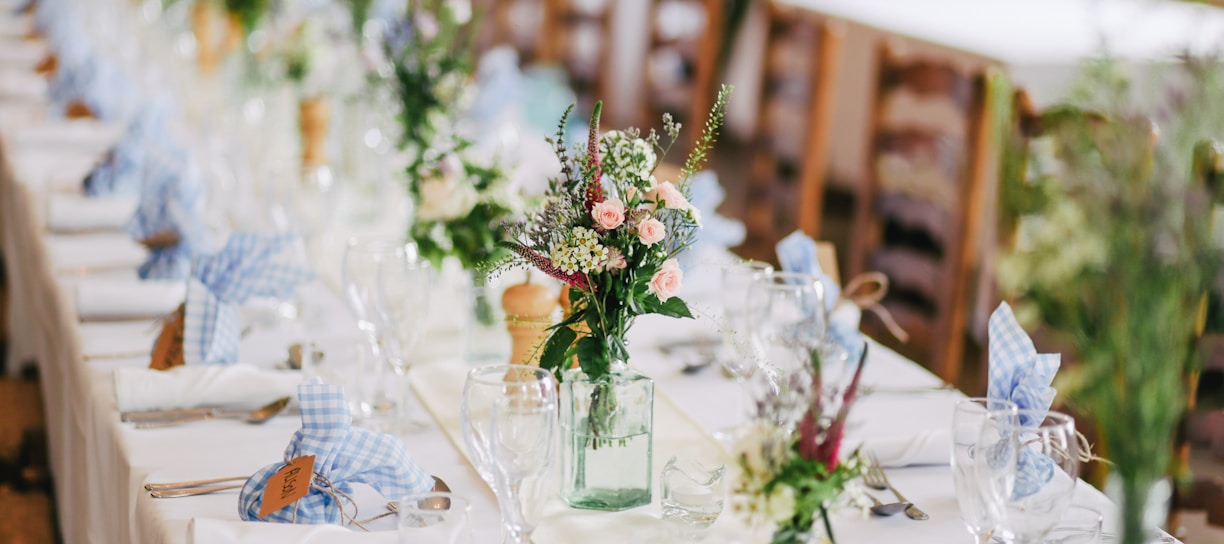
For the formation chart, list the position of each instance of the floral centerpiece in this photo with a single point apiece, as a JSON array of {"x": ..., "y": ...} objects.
[
  {"x": 1114, "y": 251},
  {"x": 610, "y": 231},
  {"x": 793, "y": 477}
]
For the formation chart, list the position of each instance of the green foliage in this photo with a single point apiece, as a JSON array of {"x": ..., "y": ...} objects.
[{"x": 249, "y": 12}]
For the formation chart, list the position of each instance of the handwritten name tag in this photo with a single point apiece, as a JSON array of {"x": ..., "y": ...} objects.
[
  {"x": 289, "y": 484},
  {"x": 168, "y": 350}
]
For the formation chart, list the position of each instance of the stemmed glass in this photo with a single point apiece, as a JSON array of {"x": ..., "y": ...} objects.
[
  {"x": 402, "y": 303},
  {"x": 509, "y": 417},
  {"x": 967, "y": 420},
  {"x": 737, "y": 308},
  {"x": 1026, "y": 465},
  {"x": 787, "y": 324},
  {"x": 359, "y": 278}
]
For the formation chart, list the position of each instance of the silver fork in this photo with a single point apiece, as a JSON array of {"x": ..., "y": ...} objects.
[{"x": 876, "y": 479}]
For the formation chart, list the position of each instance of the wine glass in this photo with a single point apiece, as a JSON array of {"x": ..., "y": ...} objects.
[
  {"x": 787, "y": 322},
  {"x": 522, "y": 439},
  {"x": 503, "y": 418},
  {"x": 1026, "y": 465},
  {"x": 402, "y": 304},
  {"x": 737, "y": 307},
  {"x": 359, "y": 280},
  {"x": 967, "y": 420}
]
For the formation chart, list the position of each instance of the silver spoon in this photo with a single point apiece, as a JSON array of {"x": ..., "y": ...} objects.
[
  {"x": 885, "y": 510},
  {"x": 259, "y": 415}
]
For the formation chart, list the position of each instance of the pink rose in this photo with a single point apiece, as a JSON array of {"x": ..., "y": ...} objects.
[
  {"x": 651, "y": 231},
  {"x": 666, "y": 282},
  {"x": 669, "y": 196},
  {"x": 616, "y": 259},
  {"x": 609, "y": 214}
]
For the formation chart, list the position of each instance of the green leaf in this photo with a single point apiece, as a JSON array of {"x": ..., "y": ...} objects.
[
  {"x": 674, "y": 307},
  {"x": 556, "y": 349},
  {"x": 592, "y": 356}
]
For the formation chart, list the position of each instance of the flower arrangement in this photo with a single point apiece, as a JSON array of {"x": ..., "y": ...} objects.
[
  {"x": 460, "y": 203},
  {"x": 611, "y": 232},
  {"x": 430, "y": 50},
  {"x": 789, "y": 477},
  {"x": 1115, "y": 252}
]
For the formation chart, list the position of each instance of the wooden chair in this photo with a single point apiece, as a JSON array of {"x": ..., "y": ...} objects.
[
  {"x": 681, "y": 64},
  {"x": 790, "y": 158},
  {"x": 521, "y": 24},
  {"x": 917, "y": 214},
  {"x": 578, "y": 35}
]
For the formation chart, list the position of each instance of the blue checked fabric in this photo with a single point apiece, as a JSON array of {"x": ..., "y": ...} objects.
[
  {"x": 797, "y": 253},
  {"x": 172, "y": 197},
  {"x": 1019, "y": 374},
  {"x": 123, "y": 171},
  {"x": 249, "y": 265},
  {"x": 717, "y": 232},
  {"x": 344, "y": 455}
]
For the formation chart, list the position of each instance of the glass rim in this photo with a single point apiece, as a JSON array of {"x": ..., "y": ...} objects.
[
  {"x": 1010, "y": 406},
  {"x": 484, "y": 374},
  {"x": 1059, "y": 419},
  {"x": 760, "y": 266}
]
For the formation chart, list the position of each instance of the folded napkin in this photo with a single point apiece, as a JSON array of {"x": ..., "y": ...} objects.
[
  {"x": 76, "y": 213},
  {"x": 92, "y": 252},
  {"x": 1019, "y": 374},
  {"x": 717, "y": 233},
  {"x": 216, "y": 531},
  {"x": 172, "y": 196},
  {"x": 925, "y": 447},
  {"x": 797, "y": 253},
  {"x": 102, "y": 299},
  {"x": 25, "y": 85},
  {"x": 232, "y": 386},
  {"x": 250, "y": 265},
  {"x": 344, "y": 455},
  {"x": 123, "y": 170}
]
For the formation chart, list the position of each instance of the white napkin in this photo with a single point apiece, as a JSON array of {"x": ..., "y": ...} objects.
[
  {"x": 83, "y": 253},
  {"x": 216, "y": 531},
  {"x": 25, "y": 85},
  {"x": 21, "y": 53},
  {"x": 930, "y": 447},
  {"x": 75, "y": 213},
  {"x": 80, "y": 134},
  {"x": 112, "y": 299},
  {"x": 237, "y": 386}
]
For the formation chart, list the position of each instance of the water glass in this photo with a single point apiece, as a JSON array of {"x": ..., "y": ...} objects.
[
  {"x": 507, "y": 413},
  {"x": 1079, "y": 525},
  {"x": 1027, "y": 465},
  {"x": 788, "y": 330},
  {"x": 692, "y": 495},
  {"x": 435, "y": 518},
  {"x": 967, "y": 420}
]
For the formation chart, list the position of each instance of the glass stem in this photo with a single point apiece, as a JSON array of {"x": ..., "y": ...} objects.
[{"x": 517, "y": 529}]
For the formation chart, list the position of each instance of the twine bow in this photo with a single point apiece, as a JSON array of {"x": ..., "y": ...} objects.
[{"x": 866, "y": 291}]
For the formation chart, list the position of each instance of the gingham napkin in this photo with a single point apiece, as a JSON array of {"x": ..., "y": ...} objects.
[
  {"x": 797, "y": 253},
  {"x": 92, "y": 79},
  {"x": 344, "y": 455},
  {"x": 122, "y": 172},
  {"x": 249, "y": 265},
  {"x": 171, "y": 200},
  {"x": 717, "y": 233},
  {"x": 1019, "y": 374}
]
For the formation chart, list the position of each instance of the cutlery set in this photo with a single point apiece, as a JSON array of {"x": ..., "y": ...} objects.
[
  {"x": 156, "y": 419},
  {"x": 194, "y": 487}
]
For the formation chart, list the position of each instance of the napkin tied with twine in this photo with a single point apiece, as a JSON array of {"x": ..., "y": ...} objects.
[
  {"x": 122, "y": 172},
  {"x": 1019, "y": 374},
  {"x": 170, "y": 217},
  {"x": 249, "y": 265},
  {"x": 344, "y": 455}
]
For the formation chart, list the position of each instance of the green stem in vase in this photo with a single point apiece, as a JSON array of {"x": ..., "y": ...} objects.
[{"x": 824, "y": 516}]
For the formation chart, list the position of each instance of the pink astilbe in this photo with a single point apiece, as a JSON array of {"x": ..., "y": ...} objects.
[
  {"x": 592, "y": 170},
  {"x": 811, "y": 445},
  {"x": 575, "y": 280}
]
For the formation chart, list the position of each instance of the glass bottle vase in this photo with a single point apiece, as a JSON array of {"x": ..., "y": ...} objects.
[{"x": 607, "y": 433}]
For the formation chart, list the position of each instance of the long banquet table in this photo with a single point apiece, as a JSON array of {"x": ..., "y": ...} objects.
[{"x": 99, "y": 464}]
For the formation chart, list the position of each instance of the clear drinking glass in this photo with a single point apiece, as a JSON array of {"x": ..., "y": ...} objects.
[
  {"x": 1027, "y": 465},
  {"x": 359, "y": 280},
  {"x": 736, "y": 283},
  {"x": 435, "y": 517},
  {"x": 491, "y": 392},
  {"x": 402, "y": 303},
  {"x": 787, "y": 324},
  {"x": 1079, "y": 525},
  {"x": 967, "y": 420},
  {"x": 693, "y": 495}
]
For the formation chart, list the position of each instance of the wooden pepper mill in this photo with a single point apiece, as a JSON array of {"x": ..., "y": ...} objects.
[
  {"x": 529, "y": 307},
  {"x": 314, "y": 117}
]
